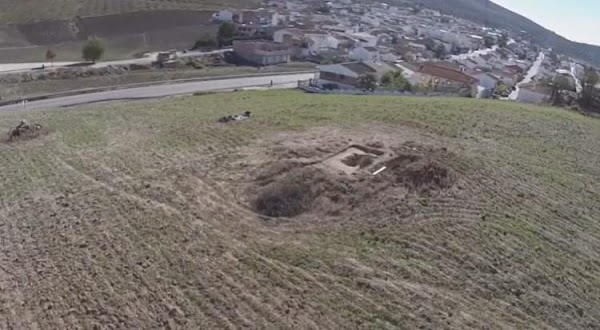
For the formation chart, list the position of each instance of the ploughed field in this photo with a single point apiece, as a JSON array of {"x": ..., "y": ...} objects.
[
  {"x": 36, "y": 10},
  {"x": 155, "y": 215}
]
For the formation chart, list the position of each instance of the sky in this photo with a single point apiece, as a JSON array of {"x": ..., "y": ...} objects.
[{"x": 574, "y": 19}]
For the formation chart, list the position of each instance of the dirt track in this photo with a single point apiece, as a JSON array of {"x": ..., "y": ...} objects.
[{"x": 144, "y": 217}]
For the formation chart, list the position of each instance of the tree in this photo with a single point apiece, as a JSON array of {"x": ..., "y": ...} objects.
[
  {"x": 503, "y": 41},
  {"x": 440, "y": 51},
  {"x": 50, "y": 56},
  {"x": 205, "y": 41},
  {"x": 590, "y": 79},
  {"x": 502, "y": 90},
  {"x": 226, "y": 33},
  {"x": 324, "y": 9},
  {"x": 489, "y": 42},
  {"x": 429, "y": 44},
  {"x": 455, "y": 50},
  {"x": 558, "y": 84},
  {"x": 396, "y": 80},
  {"x": 93, "y": 50},
  {"x": 367, "y": 82}
]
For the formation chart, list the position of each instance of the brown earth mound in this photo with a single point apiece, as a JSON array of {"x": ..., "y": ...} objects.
[
  {"x": 299, "y": 189},
  {"x": 289, "y": 188},
  {"x": 423, "y": 173}
]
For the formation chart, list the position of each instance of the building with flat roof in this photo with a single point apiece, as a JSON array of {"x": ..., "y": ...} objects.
[{"x": 261, "y": 52}]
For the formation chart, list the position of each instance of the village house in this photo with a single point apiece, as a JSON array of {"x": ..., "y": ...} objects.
[
  {"x": 246, "y": 31},
  {"x": 417, "y": 47},
  {"x": 250, "y": 17},
  {"x": 515, "y": 69},
  {"x": 388, "y": 55},
  {"x": 410, "y": 72},
  {"x": 338, "y": 29},
  {"x": 261, "y": 52},
  {"x": 508, "y": 79},
  {"x": 486, "y": 80},
  {"x": 319, "y": 43},
  {"x": 223, "y": 16},
  {"x": 346, "y": 75},
  {"x": 534, "y": 93},
  {"x": 445, "y": 77},
  {"x": 364, "y": 54},
  {"x": 365, "y": 39},
  {"x": 288, "y": 36}
]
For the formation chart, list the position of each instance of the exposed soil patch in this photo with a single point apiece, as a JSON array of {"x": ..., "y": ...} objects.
[
  {"x": 354, "y": 158},
  {"x": 421, "y": 169},
  {"x": 307, "y": 189},
  {"x": 359, "y": 160},
  {"x": 425, "y": 176},
  {"x": 284, "y": 200},
  {"x": 289, "y": 187}
]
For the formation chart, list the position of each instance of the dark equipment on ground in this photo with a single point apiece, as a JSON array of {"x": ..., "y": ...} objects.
[{"x": 229, "y": 118}]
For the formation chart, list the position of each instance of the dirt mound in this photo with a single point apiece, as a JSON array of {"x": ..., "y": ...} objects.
[
  {"x": 421, "y": 169},
  {"x": 425, "y": 176},
  {"x": 294, "y": 189},
  {"x": 289, "y": 188}
]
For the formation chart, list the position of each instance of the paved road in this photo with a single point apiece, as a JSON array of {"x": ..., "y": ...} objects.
[
  {"x": 151, "y": 57},
  {"x": 573, "y": 73},
  {"x": 163, "y": 90},
  {"x": 533, "y": 71}
]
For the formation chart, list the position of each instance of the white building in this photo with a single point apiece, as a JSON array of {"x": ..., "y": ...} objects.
[
  {"x": 346, "y": 75},
  {"x": 283, "y": 35},
  {"x": 318, "y": 43},
  {"x": 223, "y": 16},
  {"x": 278, "y": 19},
  {"x": 373, "y": 21},
  {"x": 486, "y": 80},
  {"x": 534, "y": 93},
  {"x": 364, "y": 54},
  {"x": 365, "y": 39}
]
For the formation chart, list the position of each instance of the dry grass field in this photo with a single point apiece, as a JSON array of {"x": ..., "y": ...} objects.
[
  {"x": 153, "y": 215},
  {"x": 12, "y": 11}
]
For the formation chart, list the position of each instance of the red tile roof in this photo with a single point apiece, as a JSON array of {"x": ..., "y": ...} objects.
[{"x": 446, "y": 72}]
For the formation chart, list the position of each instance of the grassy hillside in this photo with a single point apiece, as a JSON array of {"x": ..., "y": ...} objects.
[
  {"x": 491, "y": 14},
  {"x": 145, "y": 215},
  {"x": 34, "y": 10}
]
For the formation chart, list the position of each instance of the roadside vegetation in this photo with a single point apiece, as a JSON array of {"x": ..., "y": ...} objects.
[
  {"x": 487, "y": 217},
  {"x": 13, "y": 89},
  {"x": 93, "y": 50}
]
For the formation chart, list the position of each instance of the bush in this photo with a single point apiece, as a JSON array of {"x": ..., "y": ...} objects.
[
  {"x": 367, "y": 82},
  {"x": 205, "y": 41},
  {"x": 93, "y": 50},
  {"x": 226, "y": 33},
  {"x": 395, "y": 80}
]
